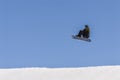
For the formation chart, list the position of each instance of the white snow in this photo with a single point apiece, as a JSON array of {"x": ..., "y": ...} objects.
[{"x": 84, "y": 73}]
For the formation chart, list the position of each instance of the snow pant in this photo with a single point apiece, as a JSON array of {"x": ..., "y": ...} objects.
[{"x": 83, "y": 34}]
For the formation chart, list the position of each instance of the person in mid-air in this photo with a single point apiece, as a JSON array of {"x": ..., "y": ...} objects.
[{"x": 85, "y": 33}]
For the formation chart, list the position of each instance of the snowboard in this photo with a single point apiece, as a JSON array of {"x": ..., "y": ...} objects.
[{"x": 81, "y": 38}]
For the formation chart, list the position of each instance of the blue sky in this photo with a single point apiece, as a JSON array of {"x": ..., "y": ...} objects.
[{"x": 37, "y": 33}]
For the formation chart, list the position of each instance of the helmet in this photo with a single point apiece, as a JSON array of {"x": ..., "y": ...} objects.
[{"x": 86, "y": 25}]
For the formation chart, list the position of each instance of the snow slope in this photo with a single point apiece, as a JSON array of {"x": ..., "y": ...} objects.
[{"x": 87, "y": 73}]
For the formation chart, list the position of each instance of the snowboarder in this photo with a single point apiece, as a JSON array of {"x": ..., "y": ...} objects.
[{"x": 85, "y": 33}]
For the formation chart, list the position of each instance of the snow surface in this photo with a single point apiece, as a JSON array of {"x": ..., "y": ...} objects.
[{"x": 84, "y": 73}]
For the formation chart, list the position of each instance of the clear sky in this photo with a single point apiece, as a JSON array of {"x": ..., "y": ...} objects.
[{"x": 37, "y": 33}]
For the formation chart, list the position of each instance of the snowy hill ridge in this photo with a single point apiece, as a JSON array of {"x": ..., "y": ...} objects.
[{"x": 84, "y": 73}]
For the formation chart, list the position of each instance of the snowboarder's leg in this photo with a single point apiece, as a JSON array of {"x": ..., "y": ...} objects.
[
  {"x": 80, "y": 33},
  {"x": 84, "y": 33}
]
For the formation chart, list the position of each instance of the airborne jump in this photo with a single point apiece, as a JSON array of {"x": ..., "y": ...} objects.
[{"x": 83, "y": 34}]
